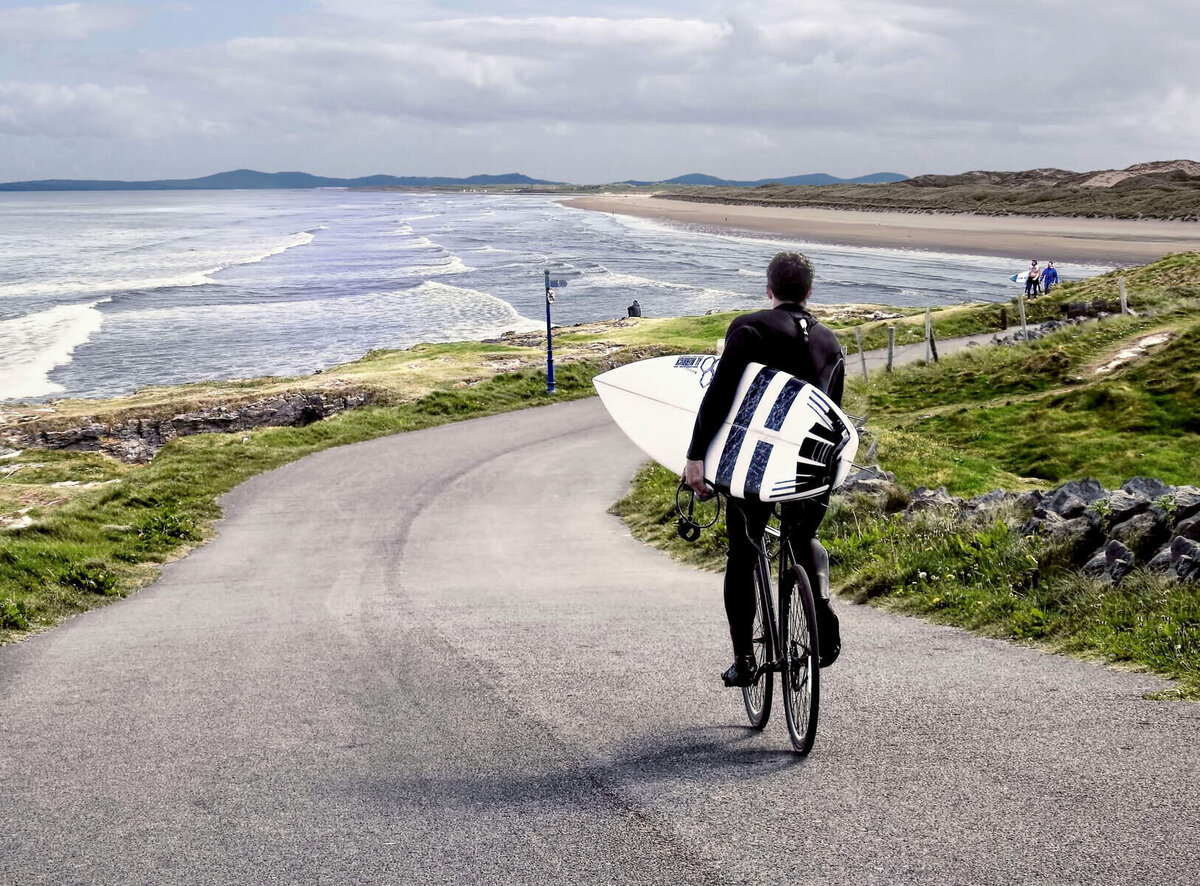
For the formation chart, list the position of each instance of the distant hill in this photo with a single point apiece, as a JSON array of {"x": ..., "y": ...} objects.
[
  {"x": 1168, "y": 189},
  {"x": 817, "y": 178},
  {"x": 249, "y": 179}
]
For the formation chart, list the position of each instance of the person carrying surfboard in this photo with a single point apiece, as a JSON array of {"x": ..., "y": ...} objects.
[{"x": 788, "y": 338}]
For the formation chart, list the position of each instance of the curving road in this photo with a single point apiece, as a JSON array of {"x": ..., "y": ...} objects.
[{"x": 434, "y": 658}]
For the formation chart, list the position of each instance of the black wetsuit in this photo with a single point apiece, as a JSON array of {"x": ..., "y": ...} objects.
[{"x": 789, "y": 339}]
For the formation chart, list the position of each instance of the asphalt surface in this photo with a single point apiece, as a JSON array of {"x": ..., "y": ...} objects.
[{"x": 435, "y": 658}]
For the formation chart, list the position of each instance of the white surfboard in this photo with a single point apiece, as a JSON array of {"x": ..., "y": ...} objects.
[{"x": 784, "y": 439}]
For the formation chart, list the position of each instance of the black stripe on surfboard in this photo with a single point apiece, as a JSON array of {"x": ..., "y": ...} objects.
[
  {"x": 783, "y": 403},
  {"x": 758, "y": 467},
  {"x": 737, "y": 433}
]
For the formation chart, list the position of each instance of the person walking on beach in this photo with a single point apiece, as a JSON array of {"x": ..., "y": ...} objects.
[
  {"x": 788, "y": 338},
  {"x": 1031, "y": 280},
  {"x": 1048, "y": 277}
]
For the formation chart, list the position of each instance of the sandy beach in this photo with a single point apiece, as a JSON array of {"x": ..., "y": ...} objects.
[{"x": 1111, "y": 241}]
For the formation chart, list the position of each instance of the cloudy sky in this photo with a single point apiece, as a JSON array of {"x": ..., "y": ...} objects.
[{"x": 593, "y": 91}]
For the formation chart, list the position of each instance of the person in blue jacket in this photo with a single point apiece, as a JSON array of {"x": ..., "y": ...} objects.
[{"x": 1049, "y": 276}]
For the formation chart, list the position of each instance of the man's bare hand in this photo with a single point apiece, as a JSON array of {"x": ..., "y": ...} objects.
[{"x": 693, "y": 477}]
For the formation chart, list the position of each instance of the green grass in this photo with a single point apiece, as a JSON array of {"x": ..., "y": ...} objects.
[
  {"x": 1142, "y": 421},
  {"x": 108, "y": 542}
]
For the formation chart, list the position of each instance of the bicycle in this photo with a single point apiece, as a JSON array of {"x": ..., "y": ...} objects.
[{"x": 787, "y": 644}]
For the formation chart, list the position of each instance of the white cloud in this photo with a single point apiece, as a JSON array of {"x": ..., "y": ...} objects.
[
  {"x": 64, "y": 21},
  {"x": 93, "y": 111}
]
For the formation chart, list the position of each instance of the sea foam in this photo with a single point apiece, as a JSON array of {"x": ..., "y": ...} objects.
[{"x": 33, "y": 345}]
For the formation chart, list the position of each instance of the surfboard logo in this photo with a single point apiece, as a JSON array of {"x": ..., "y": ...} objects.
[{"x": 704, "y": 365}]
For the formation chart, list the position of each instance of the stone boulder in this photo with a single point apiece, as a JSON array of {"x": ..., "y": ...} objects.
[
  {"x": 1189, "y": 528},
  {"x": 1185, "y": 500},
  {"x": 1185, "y": 559},
  {"x": 1031, "y": 499},
  {"x": 1113, "y": 561},
  {"x": 1074, "y": 537},
  {"x": 1072, "y": 499},
  {"x": 1120, "y": 505},
  {"x": 1148, "y": 486},
  {"x": 1142, "y": 532},
  {"x": 988, "y": 500},
  {"x": 922, "y": 498},
  {"x": 1161, "y": 561}
]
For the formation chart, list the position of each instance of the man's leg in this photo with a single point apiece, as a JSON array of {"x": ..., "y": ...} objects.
[
  {"x": 803, "y": 520},
  {"x": 744, "y": 523}
]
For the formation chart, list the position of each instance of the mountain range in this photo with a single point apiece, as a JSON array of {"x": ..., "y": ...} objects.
[{"x": 247, "y": 179}]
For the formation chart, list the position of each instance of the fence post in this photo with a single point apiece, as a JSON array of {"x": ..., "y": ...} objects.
[
  {"x": 861, "y": 356},
  {"x": 928, "y": 334},
  {"x": 1124, "y": 300},
  {"x": 1021, "y": 308},
  {"x": 891, "y": 346}
]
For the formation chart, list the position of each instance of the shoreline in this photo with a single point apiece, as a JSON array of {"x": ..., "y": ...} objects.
[{"x": 1113, "y": 241}]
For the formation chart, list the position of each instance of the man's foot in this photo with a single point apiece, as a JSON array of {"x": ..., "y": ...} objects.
[
  {"x": 741, "y": 672},
  {"x": 828, "y": 631}
]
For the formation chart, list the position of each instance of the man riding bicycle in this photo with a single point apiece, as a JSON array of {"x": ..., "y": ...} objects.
[{"x": 788, "y": 338}]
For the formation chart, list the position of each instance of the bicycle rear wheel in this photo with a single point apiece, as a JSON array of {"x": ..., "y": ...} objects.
[
  {"x": 800, "y": 660},
  {"x": 757, "y": 696}
]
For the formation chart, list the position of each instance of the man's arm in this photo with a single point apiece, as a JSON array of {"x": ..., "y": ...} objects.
[{"x": 718, "y": 400}]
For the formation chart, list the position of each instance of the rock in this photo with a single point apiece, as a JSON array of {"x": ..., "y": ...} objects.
[
  {"x": 1122, "y": 505},
  {"x": 1185, "y": 559},
  {"x": 1119, "y": 560},
  {"x": 872, "y": 481},
  {"x": 1071, "y": 499},
  {"x": 1031, "y": 499},
  {"x": 1075, "y": 536},
  {"x": 1142, "y": 532},
  {"x": 1096, "y": 564},
  {"x": 1147, "y": 486},
  {"x": 1189, "y": 528},
  {"x": 871, "y": 472},
  {"x": 1161, "y": 561},
  {"x": 989, "y": 499},
  {"x": 1185, "y": 500},
  {"x": 139, "y": 439},
  {"x": 923, "y": 498}
]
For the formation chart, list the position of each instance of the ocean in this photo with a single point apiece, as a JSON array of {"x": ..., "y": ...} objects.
[{"x": 103, "y": 293}]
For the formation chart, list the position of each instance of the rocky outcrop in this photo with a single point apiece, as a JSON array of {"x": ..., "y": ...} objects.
[
  {"x": 1105, "y": 532},
  {"x": 138, "y": 439}
]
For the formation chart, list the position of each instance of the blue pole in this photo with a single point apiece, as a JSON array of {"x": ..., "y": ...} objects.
[{"x": 549, "y": 346}]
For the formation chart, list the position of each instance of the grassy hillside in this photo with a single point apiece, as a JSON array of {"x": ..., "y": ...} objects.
[{"x": 1163, "y": 196}]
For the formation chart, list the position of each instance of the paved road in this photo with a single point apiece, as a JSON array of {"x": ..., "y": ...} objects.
[{"x": 436, "y": 659}]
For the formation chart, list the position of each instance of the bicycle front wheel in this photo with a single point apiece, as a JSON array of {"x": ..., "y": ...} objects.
[
  {"x": 801, "y": 660},
  {"x": 757, "y": 696}
]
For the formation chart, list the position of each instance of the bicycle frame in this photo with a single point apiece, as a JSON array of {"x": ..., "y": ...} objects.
[{"x": 785, "y": 559}]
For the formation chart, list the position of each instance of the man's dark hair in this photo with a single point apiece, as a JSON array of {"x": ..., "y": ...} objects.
[{"x": 790, "y": 276}]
